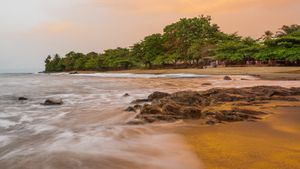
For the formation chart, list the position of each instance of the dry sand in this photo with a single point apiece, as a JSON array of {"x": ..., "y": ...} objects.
[{"x": 269, "y": 73}]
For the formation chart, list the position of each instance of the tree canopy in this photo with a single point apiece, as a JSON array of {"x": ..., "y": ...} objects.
[{"x": 190, "y": 42}]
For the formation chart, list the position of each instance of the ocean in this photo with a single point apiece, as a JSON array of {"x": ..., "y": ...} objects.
[{"x": 90, "y": 130}]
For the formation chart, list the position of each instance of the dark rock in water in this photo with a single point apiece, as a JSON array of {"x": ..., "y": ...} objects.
[
  {"x": 206, "y": 84},
  {"x": 244, "y": 79},
  {"x": 137, "y": 106},
  {"x": 126, "y": 95},
  {"x": 130, "y": 109},
  {"x": 139, "y": 101},
  {"x": 206, "y": 104},
  {"x": 157, "y": 95},
  {"x": 22, "y": 98},
  {"x": 52, "y": 102},
  {"x": 74, "y": 72},
  {"x": 227, "y": 78}
]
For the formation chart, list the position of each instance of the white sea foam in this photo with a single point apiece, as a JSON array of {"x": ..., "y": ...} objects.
[
  {"x": 132, "y": 75},
  {"x": 4, "y": 140},
  {"x": 7, "y": 123}
]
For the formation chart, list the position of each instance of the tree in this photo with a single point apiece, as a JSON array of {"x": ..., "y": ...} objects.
[
  {"x": 47, "y": 63},
  {"x": 200, "y": 51},
  {"x": 283, "y": 48},
  {"x": 153, "y": 47},
  {"x": 179, "y": 36},
  {"x": 118, "y": 58},
  {"x": 268, "y": 35},
  {"x": 237, "y": 50},
  {"x": 287, "y": 30}
]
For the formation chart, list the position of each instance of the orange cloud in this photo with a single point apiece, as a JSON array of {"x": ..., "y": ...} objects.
[{"x": 186, "y": 6}]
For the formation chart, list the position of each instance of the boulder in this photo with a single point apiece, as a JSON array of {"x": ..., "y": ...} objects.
[
  {"x": 157, "y": 95},
  {"x": 130, "y": 109},
  {"x": 227, "y": 78},
  {"x": 73, "y": 72},
  {"x": 139, "y": 101},
  {"x": 22, "y": 98},
  {"x": 52, "y": 102},
  {"x": 151, "y": 109},
  {"x": 137, "y": 106},
  {"x": 126, "y": 95}
]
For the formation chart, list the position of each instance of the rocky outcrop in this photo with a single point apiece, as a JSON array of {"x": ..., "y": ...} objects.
[
  {"x": 52, "y": 102},
  {"x": 209, "y": 105},
  {"x": 157, "y": 95},
  {"x": 227, "y": 78}
]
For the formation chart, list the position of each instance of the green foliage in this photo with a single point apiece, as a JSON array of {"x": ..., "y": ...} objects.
[
  {"x": 284, "y": 48},
  {"x": 180, "y": 36},
  {"x": 190, "y": 41}
]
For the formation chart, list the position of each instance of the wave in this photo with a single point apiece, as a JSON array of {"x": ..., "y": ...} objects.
[{"x": 132, "y": 75}]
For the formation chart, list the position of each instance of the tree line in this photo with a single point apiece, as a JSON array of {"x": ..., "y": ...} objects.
[{"x": 190, "y": 42}]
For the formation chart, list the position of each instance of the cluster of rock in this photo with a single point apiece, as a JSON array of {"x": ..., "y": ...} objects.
[
  {"x": 197, "y": 105},
  {"x": 47, "y": 102}
]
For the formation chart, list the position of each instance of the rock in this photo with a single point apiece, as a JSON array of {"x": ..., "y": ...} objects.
[
  {"x": 295, "y": 90},
  {"x": 157, "y": 95},
  {"x": 137, "y": 106},
  {"x": 207, "y": 104},
  {"x": 139, "y": 101},
  {"x": 228, "y": 116},
  {"x": 172, "y": 109},
  {"x": 73, "y": 72},
  {"x": 22, "y": 98},
  {"x": 136, "y": 122},
  {"x": 192, "y": 113},
  {"x": 244, "y": 79},
  {"x": 130, "y": 109},
  {"x": 227, "y": 78},
  {"x": 206, "y": 84},
  {"x": 151, "y": 109},
  {"x": 52, "y": 102},
  {"x": 126, "y": 95},
  {"x": 211, "y": 122}
]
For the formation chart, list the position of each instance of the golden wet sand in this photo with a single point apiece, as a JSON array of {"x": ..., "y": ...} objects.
[{"x": 272, "y": 143}]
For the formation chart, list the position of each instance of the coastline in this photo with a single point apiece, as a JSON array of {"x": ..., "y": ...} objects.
[
  {"x": 264, "y": 73},
  {"x": 270, "y": 142}
]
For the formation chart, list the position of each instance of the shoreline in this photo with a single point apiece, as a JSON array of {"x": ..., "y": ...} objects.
[
  {"x": 264, "y": 73},
  {"x": 268, "y": 140}
]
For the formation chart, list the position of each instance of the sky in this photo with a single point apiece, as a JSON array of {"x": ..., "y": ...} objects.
[{"x": 32, "y": 29}]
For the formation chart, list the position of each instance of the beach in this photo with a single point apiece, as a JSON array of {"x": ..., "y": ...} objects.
[
  {"x": 263, "y": 72},
  {"x": 92, "y": 128}
]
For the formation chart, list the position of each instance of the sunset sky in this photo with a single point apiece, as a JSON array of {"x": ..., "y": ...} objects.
[{"x": 32, "y": 29}]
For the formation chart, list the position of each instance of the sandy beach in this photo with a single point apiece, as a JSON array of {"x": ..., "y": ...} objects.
[{"x": 267, "y": 73}]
